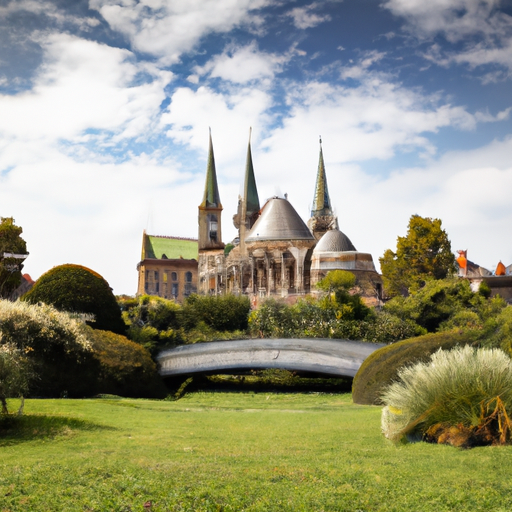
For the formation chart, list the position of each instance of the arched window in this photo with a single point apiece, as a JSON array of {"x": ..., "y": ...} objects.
[
  {"x": 174, "y": 276},
  {"x": 188, "y": 277}
]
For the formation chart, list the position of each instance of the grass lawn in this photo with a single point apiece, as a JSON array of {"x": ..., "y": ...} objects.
[{"x": 234, "y": 452}]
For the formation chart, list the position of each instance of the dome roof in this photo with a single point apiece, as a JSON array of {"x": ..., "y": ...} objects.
[
  {"x": 334, "y": 241},
  {"x": 279, "y": 221}
]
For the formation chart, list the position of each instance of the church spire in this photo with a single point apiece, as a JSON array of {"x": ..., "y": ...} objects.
[
  {"x": 321, "y": 200},
  {"x": 250, "y": 194},
  {"x": 210, "y": 234},
  {"x": 211, "y": 196}
]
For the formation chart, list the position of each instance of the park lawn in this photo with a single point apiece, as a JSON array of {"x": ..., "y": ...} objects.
[{"x": 234, "y": 452}]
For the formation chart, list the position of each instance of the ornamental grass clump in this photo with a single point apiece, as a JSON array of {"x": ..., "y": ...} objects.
[{"x": 461, "y": 397}]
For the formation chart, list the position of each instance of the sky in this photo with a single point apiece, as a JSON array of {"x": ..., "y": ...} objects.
[{"x": 105, "y": 107}]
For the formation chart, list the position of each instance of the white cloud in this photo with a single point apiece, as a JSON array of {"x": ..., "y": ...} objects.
[
  {"x": 230, "y": 115},
  {"x": 305, "y": 17},
  {"x": 485, "y": 30},
  {"x": 84, "y": 85},
  {"x": 49, "y": 9},
  {"x": 167, "y": 28},
  {"x": 244, "y": 64}
]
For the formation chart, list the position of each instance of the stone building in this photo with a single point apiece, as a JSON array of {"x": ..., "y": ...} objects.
[
  {"x": 275, "y": 253},
  {"x": 168, "y": 267}
]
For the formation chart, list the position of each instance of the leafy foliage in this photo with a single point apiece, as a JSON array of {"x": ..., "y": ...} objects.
[
  {"x": 10, "y": 267},
  {"x": 458, "y": 387},
  {"x": 424, "y": 253},
  {"x": 54, "y": 343},
  {"x": 381, "y": 367},
  {"x": 336, "y": 286},
  {"x": 444, "y": 305},
  {"x": 126, "y": 367},
  {"x": 326, "y": 318},
  {"x": 221, "y": 312},
  {"x": 80, "y": 290},
  {"x": 15, "y": 370}
]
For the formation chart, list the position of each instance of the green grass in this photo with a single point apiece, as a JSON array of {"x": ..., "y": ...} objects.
[{"x": 234, "y": 452}]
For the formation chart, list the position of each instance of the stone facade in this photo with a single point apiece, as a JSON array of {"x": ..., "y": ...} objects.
[
  {"x": 274, "y": 254},
  {"x": 168, "y": 267}
]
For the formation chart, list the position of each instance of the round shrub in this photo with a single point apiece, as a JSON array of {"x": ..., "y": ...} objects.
[
  {"x": 81, "y": 290},
  {"x": 126, "y": 367},
  {"x": 380, "y": 368},
  {"x": 465, "y": 388}
]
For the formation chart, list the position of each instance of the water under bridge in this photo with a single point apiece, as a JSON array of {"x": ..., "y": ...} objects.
[{"x": 340, "y": 358}]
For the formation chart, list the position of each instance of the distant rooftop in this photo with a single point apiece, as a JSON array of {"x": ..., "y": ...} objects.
[{"x": 169, "y": 247}]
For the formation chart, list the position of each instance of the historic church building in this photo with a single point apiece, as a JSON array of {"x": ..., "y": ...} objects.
[{"x": 276, "y": 253}]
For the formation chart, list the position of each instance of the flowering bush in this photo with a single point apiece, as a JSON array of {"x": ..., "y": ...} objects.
[{"x": 56, "y": 345}]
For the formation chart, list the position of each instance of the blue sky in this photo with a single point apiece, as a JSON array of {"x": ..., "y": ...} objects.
[{"x": 105, "y": 107}]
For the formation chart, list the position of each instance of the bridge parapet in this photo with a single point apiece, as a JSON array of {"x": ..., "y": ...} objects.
[{"x": 341, "y": 358}]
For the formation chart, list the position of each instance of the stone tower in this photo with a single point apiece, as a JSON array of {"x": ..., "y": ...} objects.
[
  {"x": 249, "y": 203},
  {"x": 210, "y": 210},
  {"x": 322, "y": 217}
]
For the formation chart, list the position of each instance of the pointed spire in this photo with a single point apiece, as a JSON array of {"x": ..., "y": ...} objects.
[
  {"x": 321, "y": 200},
  {"x": 211, "y": 190},
  {"x": 252, "y": 201}
]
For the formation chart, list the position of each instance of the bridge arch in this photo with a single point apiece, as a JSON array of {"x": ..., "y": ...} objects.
[{"x": 340, "y": 358}]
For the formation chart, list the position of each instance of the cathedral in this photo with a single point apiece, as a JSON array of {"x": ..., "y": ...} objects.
[{"x": 276, "y": 253}]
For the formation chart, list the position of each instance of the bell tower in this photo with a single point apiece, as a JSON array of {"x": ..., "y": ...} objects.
[{"x": 210, "y": 210}]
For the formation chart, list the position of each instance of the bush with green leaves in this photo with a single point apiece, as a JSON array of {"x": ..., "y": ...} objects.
[
  {"x": 55, "y": 344},
  {"x": 458, "y": 387},
  {"x": 153, "y": 322},
  {"x": 126, "y": 368},
  {"x": 79, "y": 289},
  {"x": 446, "y": 304},
  {"x": 221, "y": 312}
]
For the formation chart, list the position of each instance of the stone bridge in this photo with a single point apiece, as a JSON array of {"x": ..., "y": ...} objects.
[{"x": 340, "y": 358}]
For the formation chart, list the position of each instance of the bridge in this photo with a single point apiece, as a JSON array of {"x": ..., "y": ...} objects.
[{"x": 335, "y": 358}]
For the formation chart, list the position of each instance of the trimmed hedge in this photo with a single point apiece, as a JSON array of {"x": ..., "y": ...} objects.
[
  {"x": 126, "y": 367},
  {"x": 79, "y": 290},
  {"x": 380, "y": 368}
]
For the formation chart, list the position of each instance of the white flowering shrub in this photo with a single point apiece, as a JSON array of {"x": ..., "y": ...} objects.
[{"x": 56, "y": 344}]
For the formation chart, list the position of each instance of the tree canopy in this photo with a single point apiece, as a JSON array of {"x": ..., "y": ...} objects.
[
  {"x": 12, "y": 246},
  {"x": 424, "y": 253}
]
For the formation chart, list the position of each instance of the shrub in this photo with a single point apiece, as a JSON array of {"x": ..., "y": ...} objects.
[
  {"x": 380, "y": 368},
  {"x": 444, "y": 304},
  {"x": 461, "y": 388},
  {"x": 54, "y": 343},
  {"x": 126, "y": 367},
  {"x": 221, "y": 312},
  {"x": 78, "y": 289}
]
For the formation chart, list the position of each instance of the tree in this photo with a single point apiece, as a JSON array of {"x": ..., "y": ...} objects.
[
  {"x": 424, "y": 253},
  {"x": 337, "y": 285},
  {"x": 14, "y": 375},
  {"x": 13, "y": 250},
  {"x": 79, "y": 289}
]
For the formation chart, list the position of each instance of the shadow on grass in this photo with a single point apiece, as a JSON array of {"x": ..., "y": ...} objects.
[{"x": 17, "y": 429}]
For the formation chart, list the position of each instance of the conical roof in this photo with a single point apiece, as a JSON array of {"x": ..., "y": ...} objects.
[
  {"x": 321, "y": 200},
  {"x": 250, "y": 196},
  {"x": 334, "y": 241},
  {"x": 211, "y": 196},
  {"x": 279, "y": 221}
]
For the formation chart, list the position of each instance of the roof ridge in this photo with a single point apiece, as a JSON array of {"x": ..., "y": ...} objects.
[{"x": 174, "y": 237}]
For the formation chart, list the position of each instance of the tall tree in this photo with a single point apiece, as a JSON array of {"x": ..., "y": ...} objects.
[
  {"x": 13, "y": 251},
  {"x": 424, "y": 253}
]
